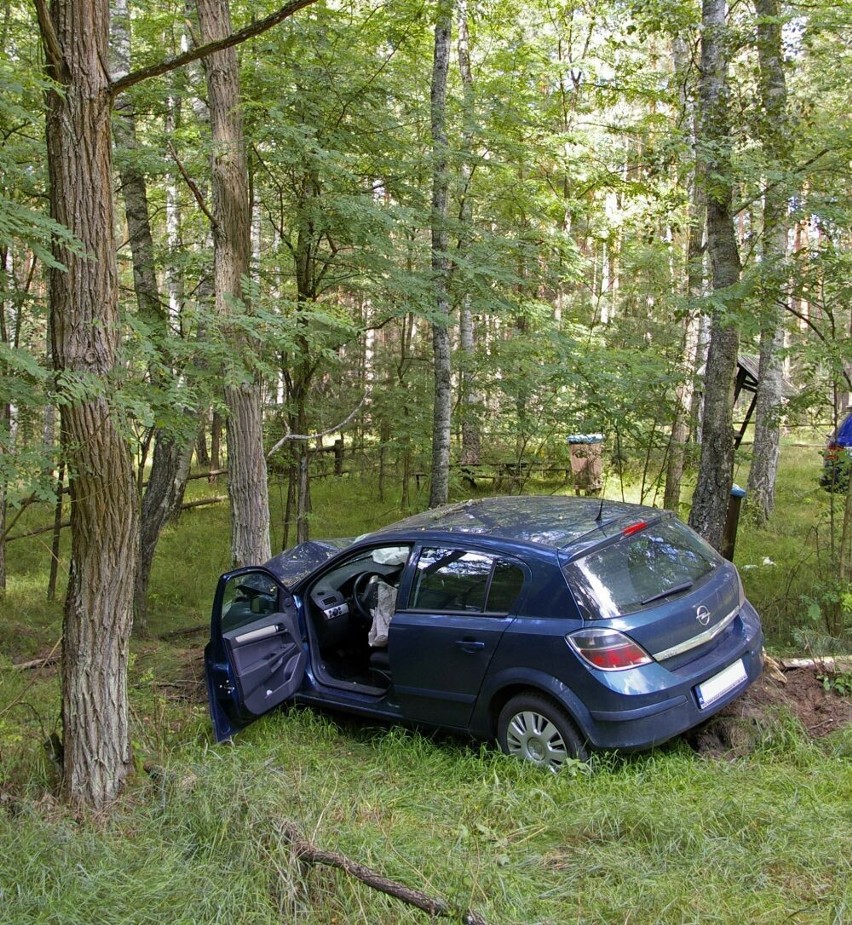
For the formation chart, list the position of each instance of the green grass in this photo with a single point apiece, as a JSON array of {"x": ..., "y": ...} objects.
[{"x": 664, "y": 837}]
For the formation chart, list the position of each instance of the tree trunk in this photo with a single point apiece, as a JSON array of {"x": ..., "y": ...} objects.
[
  {"x": 247, "y": 484},
  {"x": 715, "y": 475},
  {"x": 681, "y": 424},
  {"x": 172, "y": 454},
  {"x": 85, "y": 338},
  {"x": 471, "y": 397},
  {"x": 6, "y": 447},
  {"x": 163, "y": 496},
  {"x": 441, "y": 418},
  {"x": 299, "y": 373},
  {"x": 215, "y": 442},
  {"x": 774, "y": 132}
]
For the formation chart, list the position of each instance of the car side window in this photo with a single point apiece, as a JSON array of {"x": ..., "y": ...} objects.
[
  {"x": 506, "y": 584},
  {"x": 457, "y": 580},
  {"x": 248, "y": 597}
]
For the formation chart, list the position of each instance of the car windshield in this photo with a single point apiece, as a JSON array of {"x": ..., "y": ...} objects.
[{"x": 645, "y": 568}]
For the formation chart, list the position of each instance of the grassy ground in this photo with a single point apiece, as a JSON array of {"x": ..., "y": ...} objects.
[{"x": 663, "y": 837}]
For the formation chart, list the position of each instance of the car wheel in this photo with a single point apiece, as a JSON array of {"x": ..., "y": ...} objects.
[{"x": 536, "y": 729}]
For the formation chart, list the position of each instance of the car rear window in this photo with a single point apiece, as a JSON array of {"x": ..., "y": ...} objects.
[{"x": 641, "y": 570}]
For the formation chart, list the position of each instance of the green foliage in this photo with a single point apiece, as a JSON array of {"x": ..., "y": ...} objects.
[{"x": 840, "y": 683}]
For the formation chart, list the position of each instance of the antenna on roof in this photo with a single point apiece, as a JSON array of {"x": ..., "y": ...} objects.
[{"x": 599, "y": 518}]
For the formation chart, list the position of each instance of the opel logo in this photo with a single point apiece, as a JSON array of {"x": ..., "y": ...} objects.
[{"x": 702, "y": 614}]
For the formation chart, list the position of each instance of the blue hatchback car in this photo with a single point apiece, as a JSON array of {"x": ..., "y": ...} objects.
[{"x": 554, "y": 625}]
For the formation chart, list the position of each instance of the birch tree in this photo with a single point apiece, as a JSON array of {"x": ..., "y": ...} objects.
[{"x": 441, "y": 418}]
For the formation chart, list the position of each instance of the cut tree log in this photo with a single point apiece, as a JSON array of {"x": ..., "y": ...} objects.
[{"x": 832, "y": 663}]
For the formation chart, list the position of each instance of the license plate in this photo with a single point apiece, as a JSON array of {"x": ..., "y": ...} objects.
[{"x": 720, "y": 684}]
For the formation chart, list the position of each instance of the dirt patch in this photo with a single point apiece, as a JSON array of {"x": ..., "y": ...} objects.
[{"x": 800, "y": 692}]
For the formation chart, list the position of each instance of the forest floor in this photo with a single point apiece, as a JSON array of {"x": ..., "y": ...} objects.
[{"x": 820, "y": 700}]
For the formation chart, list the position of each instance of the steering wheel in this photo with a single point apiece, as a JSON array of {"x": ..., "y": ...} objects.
[{"x": 361, "y": 588}]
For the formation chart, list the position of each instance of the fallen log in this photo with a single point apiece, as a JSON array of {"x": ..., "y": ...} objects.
[
  {"x": 308, "y": 853},
  {"x": 832, "y": 663},
  {"x": 187, "y": 505},
  {"x": 217, "y": 499},
  {"x": 207, "y": 475}
]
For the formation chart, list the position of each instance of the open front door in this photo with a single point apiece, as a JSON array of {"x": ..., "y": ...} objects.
[{"x": 255, "y": 659}]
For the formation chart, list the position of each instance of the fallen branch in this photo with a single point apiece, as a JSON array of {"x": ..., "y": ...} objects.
[
  {"x": 20, "y": 536},
  {"x": 36, "y": 663},
  {"x": 187, "y": 505},
  {"x": 308, "y": 853},
  {"x": 45, "y": 661}
]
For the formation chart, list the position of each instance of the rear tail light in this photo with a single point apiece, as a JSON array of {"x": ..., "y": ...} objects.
[{"x": 607, "y": 649}]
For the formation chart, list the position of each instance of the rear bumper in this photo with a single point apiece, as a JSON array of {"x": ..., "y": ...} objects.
[{"x": 649, "y": 724}]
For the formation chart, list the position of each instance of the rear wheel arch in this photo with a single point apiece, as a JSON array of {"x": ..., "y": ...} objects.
[
  {"x": 505, "y": 694},
  {"x": 573, "y": 707}
]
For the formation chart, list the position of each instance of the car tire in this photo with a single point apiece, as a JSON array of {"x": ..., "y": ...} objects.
[{"x": 533, "y": 728}]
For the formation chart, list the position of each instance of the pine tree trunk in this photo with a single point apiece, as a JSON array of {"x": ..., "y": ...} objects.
[
  {"x": 773, "y": 92},
  {"x": 247, "y": 484},
  {"x": 715, "y": 475},
  {"x": 441, "y": 417},
  {"x": 85, "y": 332}
]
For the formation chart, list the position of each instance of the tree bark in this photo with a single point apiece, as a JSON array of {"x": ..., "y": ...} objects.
[
  {"x": 172, "y": 454},
  {"x": 715, "y": 475},
  {"x": 681, "y": 424},
  {"x": 441, "y": 416},
  {"x": 774, "y": 133},
  {"x": 247, "y": 485},
  {"x": 6, "y": 446},
  {"x": 471, "y": 397},
  {"x": 85, "y": 339}
]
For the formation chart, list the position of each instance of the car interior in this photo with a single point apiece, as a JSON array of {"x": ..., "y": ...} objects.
[{"x": 348, "y": 611}]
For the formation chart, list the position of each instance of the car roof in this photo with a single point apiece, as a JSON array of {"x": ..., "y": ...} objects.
[{"x": 550, "y": 521}]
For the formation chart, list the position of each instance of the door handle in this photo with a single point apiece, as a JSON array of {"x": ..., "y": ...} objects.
[{"x": 470, "y": 645}]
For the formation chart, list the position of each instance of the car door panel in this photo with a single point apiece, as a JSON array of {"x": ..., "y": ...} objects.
[
  {"x": 256, "y": 658},
  {"x": 438, "y": 661},
  {"x": 265, "y": 657}
]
